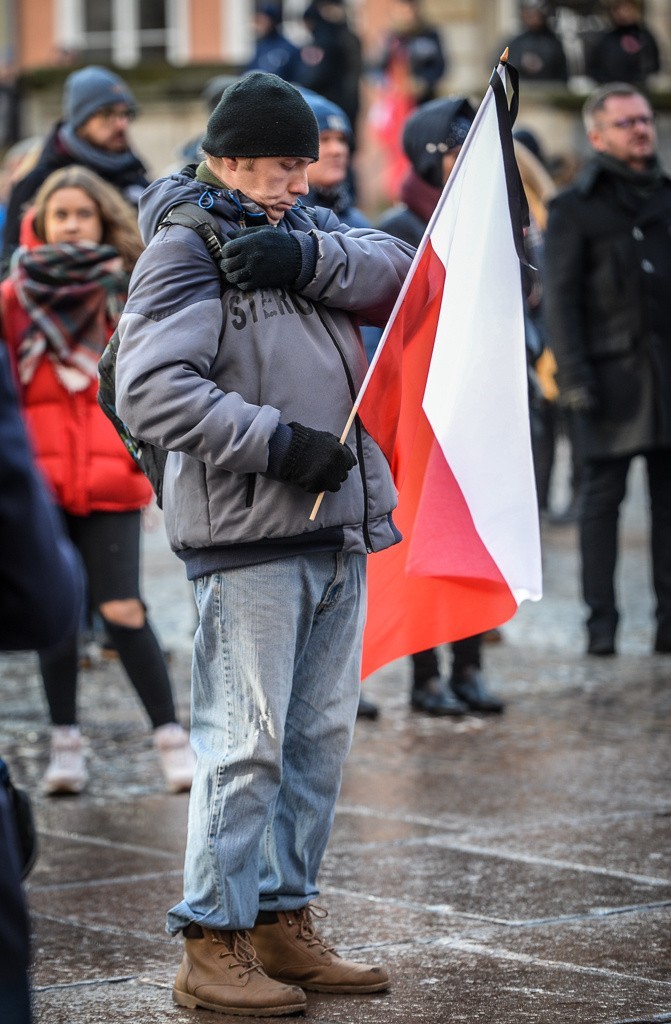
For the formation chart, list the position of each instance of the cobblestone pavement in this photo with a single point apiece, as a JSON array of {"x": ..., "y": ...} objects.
[{"x": 507, "y": 869}]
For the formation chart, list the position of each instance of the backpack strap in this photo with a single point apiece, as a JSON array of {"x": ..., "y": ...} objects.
[{"x": 191, "y": 215}]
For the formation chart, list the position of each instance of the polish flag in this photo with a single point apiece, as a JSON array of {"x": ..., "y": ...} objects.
[{"x": 446, "y": 399}]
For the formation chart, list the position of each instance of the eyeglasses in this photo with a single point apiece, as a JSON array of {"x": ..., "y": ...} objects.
[
  {"x": 630, "y": 122},
  {"x": 115, "y": 114}
]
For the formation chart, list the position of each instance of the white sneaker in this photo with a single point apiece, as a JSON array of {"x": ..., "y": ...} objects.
[
  {"x": 66, "y": 772},
  {"x": 177, "y": 758}
]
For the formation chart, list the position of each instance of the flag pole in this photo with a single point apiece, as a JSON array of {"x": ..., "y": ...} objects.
[{"x": 420, "y": 249}]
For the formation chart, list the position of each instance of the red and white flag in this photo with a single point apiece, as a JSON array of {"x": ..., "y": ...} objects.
[{"x": 446, "y": 399}]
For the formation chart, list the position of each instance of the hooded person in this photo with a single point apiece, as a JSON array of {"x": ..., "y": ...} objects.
[
  {"x": 260, "y": 359},
  {"x": 432, "y": 139},
  {"x": 97, "y": 109}
]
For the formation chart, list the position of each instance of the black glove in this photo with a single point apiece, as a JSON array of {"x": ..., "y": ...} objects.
[
  {"x": 579, "y": 398},
  {"x": 261, "y": 257},
  {"x": 315, "y": 460}
]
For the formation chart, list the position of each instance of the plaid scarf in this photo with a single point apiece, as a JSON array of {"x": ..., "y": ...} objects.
[{"x": 74, "y": 295}]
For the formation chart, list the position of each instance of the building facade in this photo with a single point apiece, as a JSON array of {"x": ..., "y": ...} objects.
[{"x": 198, "y": 38}]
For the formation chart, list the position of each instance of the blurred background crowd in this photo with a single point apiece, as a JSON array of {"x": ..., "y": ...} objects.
[{"x": 377, "y": 59}]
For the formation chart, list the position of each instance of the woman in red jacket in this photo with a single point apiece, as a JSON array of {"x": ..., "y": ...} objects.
[{"x": 59, "y": 307}]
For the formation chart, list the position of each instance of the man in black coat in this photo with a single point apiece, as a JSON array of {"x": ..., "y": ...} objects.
[
  {"x": 97, "y": 109},
  {"x": 607, "y": 288}
]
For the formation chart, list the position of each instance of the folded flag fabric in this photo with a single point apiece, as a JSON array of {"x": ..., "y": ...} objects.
[{"x": 446, "y": 399}]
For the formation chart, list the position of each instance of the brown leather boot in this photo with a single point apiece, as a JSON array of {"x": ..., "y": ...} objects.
[
  {"x": 292, "y": 951},
  {"x": 220, "y": 971}
]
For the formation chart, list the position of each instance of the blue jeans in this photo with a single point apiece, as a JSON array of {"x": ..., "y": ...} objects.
[{"x": 275, "y": 689}]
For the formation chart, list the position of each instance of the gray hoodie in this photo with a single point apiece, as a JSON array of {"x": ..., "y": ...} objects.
[{"x": 207, "y": 371}]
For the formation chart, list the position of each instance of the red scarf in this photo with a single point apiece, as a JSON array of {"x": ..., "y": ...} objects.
[{"x": 419, "y": 196}]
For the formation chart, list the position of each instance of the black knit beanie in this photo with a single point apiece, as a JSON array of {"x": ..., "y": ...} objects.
[{"x": 262, "y": 115}]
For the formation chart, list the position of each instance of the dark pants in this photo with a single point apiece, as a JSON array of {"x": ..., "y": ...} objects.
[
  {"x": 465, "y": 653},
  {"x": 554, "y": 421},
  {"x": 604, "y": 483},
  {"x": 14, "y": 940}
]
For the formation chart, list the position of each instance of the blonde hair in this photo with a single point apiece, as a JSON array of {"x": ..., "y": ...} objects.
[
  {"x": 117, "y": 218},
  {"x": 539, "y": 187}
]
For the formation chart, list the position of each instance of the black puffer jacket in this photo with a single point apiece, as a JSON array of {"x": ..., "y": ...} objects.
[{"x": 608, "y": 307}]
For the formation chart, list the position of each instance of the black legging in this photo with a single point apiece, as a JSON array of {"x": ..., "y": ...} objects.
[{"x": 109, "y": 543}]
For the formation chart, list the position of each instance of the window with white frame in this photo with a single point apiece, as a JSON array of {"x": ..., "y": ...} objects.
[{"x": 124, "y": 32}]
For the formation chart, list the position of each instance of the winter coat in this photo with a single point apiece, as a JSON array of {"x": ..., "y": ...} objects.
[
  {"x": 333, "y": 63},
  {"x": 129, "y": 182},
  {"x": 628, "y": 53},
  {"x": 208, "y": 375},
  {"x": 538, "y": 56},
  {"x": 276, "y": 55},
  {"x": 606, "y": 292},
  {"x": 76, "y": 446}
]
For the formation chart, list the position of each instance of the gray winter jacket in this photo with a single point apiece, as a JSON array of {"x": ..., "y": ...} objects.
[{"x": 208, "y": 375}]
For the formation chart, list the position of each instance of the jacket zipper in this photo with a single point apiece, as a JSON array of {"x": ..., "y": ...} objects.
[{"x": 357, "y": 428}]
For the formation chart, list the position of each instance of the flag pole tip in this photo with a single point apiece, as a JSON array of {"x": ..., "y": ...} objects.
[{"x": 504, "y": 56}]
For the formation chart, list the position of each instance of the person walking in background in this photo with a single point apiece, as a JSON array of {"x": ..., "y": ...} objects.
[
  {"x": 273, "y": 52},
  {"x": 97, "y": 109},
  {"x": 607, "y": 281},
  {"x": 432, "y": 138},
  {"x": 248, "y": 389},
  {"x": 58, "y": 309},
  {"x": 628, "y": 52}
]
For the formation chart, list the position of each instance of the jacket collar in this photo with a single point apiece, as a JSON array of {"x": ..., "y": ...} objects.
[{"x": 593, "y": 171}]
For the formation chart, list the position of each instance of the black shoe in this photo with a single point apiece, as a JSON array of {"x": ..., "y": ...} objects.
[
  {"x": 434, "y": 697},
  {"x": 367, "y": 709},
  {"x": 468, "y": 686}
]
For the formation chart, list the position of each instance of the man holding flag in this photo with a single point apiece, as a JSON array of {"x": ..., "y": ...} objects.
[
  {"x": 247, "y": 388},
  {"x": 245, "y": 373}
]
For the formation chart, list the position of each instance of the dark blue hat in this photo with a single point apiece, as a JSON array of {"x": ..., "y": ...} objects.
[
  {"x": 330, "y": 117},
  {"x": 88, "y": 90}
]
